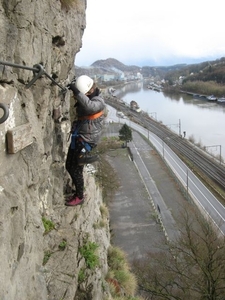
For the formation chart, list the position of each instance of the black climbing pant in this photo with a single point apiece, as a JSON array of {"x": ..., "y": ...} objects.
[{"x": 74, "y": 169}]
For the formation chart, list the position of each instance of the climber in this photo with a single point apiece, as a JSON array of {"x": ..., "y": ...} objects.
[{"x": 85, "y": 133}]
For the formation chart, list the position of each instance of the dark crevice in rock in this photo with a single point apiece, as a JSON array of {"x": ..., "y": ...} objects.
[{"x": 58, "y": 41}]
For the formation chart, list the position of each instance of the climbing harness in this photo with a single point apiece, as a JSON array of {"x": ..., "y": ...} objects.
[
  {"x": 75, "y": 136},
  {"x": 74, "y": 132},
  {"x": 5, "y": 113},
  {"x": 38, "y": 71}
]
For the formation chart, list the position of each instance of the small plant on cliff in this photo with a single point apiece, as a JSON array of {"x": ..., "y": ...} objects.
[
  {"x": 48, "y": 225},
  {"x": 104, "y": 211},
  {"x": 119, "y": 276},
  {"x": 62, "y": 245},
  {"x": 47, "y": 255},
  {"x": 100, "y": 224},
  {"x": 81, "y": 275},
  {"x": 88, "y": 251}
]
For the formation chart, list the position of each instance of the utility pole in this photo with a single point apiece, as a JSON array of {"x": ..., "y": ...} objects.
[
  {"x": 187, "y": 183},
  {"x": 179, "y": 127}
]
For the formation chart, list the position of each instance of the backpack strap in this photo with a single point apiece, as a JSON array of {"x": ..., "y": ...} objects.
[
  {"x": 75, "y": 135},
  {"x": 87, "y": 146}
]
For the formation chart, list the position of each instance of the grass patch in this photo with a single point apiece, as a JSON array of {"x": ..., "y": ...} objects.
[
  {"x": 62, "y": 245},
  {"x": 116, "y": 258},
  {"x": 88, "y": 251},
  {"x": 47, "y": 255},
  {"x": 101, "y": 224},
  {"x": 104, "y": 211},
  {"x": 119, "y": 276},
  {"x": 48, "y": 225},
  {"x": 81, "y": 276}
]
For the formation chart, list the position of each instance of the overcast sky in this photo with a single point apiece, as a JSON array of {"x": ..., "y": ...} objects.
[{"x": 153, "y": 33}]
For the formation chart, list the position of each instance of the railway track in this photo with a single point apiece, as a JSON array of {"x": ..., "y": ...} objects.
[{"x": 211, "y": 168}]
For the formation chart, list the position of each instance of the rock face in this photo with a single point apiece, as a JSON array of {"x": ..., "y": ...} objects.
[{"x": 33, "y": 177}]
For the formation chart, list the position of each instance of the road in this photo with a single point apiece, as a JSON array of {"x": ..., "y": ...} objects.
[{"x": 197, "y": 191}]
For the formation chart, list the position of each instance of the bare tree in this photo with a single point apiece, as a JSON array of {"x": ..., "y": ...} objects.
[{"x": 193, "y": 267}]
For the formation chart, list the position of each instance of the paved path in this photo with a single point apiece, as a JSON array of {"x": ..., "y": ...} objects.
[
  {"x": 134, "y": 225},
  {"x": 140, "y": 150}
]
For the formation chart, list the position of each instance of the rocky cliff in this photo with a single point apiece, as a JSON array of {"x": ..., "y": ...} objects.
[{"x": 40, "y": 238}]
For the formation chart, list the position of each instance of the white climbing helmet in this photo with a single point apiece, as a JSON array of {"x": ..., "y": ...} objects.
[{"x": 84, "y": 83}]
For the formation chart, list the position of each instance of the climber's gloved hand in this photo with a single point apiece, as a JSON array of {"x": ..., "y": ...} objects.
[{"x": 73, "y": 88}]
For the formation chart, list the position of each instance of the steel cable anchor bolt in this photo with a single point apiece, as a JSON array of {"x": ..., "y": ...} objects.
[{"x": 38, "y": 74}]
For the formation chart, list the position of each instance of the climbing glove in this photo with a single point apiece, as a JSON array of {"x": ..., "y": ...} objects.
[{"x": 72, "y": 87}]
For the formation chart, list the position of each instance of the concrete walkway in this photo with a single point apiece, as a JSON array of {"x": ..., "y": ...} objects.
[
  {"x": 139, "y": 149},
  {"x": 146, "y": 189}
]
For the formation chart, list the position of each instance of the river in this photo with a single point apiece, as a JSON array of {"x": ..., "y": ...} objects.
[{"x": 202, "y": 121}]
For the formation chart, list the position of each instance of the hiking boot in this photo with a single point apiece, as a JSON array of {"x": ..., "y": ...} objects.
[
  {"x": 75, "y": 201},
  {"x": 87, "y": 159},
  {"x": 68, "y": 199}
]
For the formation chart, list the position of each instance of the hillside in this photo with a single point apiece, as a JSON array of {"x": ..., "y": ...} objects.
[
  {"x": 113, "y": 66},
  {"x": 206, "y": 71},
  {"x": 205, "y": 78}
]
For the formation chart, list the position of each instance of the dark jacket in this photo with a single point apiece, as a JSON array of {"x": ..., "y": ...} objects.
[{"x": 89, "y": 130}]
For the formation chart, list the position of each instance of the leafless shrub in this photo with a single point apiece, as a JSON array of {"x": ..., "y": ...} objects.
[{"x": 194, "y": 267}]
